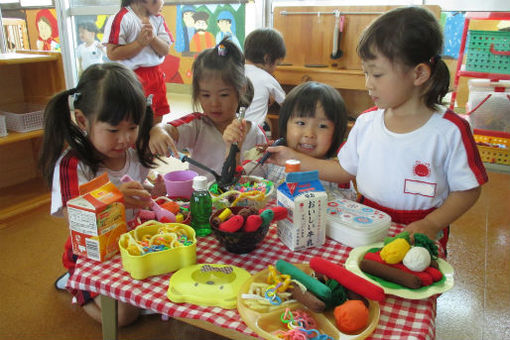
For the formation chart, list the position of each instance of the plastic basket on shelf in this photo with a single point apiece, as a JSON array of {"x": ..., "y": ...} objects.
[
  {"x": 23, "y": 117},
  {"x": 494, "y": 146},
  {"x": 3, "y": 127},
  {"x": 488, "y": 51}
]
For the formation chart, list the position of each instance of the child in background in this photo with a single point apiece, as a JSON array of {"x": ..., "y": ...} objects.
[
  {"x": 90, "y": 51},
  {"x": 264, "y": 49},
  {"x": 410, "y": 156},
  {"x": 221, "y": 88},
  {"x": 313, "y": 121},
  {"x": 110, "y": 133},
  {"x": 138, "y": 37}
]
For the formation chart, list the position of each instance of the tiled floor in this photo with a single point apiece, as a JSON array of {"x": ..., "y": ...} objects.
[{"x": 31, "y": 308}]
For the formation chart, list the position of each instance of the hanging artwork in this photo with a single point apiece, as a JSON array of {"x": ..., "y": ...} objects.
[{"x": 43, "y": 29}]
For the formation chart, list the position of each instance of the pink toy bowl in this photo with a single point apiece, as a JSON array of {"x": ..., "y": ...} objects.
[{"x": 179, "y": 183}]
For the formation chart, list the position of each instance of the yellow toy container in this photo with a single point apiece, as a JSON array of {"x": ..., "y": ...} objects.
[{"x": 160, "y": 262}]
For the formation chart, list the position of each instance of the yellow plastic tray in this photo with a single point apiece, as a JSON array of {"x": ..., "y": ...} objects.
[
  {"x": 161, "y": 262},
  {"x": 265, "y": 324}
]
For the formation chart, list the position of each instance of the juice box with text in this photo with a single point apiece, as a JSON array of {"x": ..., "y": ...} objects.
[{"x": 97, "y": 218}]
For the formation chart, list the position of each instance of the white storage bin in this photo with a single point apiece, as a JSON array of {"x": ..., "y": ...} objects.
[
  {"x": 488, "y": 106},
  {"x": 355, "y": 224},
  {"x": 23, "y": 117},
  {"x": 3, "y": 127}
]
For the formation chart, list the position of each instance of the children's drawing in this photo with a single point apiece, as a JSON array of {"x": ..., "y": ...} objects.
[
  {"x": 47, "y": 28},
  {"x": 227, "y": 25},
  {"x": 202, "y": 39}
]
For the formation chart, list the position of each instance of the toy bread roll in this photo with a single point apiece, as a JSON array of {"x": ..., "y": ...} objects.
[{"x": 390, "y": 273}]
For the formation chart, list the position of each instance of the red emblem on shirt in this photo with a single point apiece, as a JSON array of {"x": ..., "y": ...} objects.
[{"x": 421, "y": 169}]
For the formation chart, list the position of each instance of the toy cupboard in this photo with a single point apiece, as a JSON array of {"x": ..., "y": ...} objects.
[{"x": 25, "y": 78}]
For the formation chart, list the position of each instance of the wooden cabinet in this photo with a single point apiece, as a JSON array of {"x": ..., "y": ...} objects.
[
  {"x": 308, "y": 32},
  {"x": 29, "y": 77}
]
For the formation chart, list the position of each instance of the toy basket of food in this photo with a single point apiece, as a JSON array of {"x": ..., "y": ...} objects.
[
  {"x": 250, "y": 191},
  {"x": 155, "y": 248}
]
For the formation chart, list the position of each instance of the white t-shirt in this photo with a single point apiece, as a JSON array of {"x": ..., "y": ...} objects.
[
  {"x": 415, "y": 170},
  {"x": 265, "y": 87},
  {"x": 202, "y": 139},
  {"x": 89, "y": 55},
  {"x": 124, "y": 27},
  {"x": 70, "y": 173}
]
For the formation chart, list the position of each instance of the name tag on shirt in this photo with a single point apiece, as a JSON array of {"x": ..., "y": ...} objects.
[{"x": 420, "y": 188}]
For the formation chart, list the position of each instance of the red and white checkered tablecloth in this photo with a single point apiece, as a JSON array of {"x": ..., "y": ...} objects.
[{"x": 400, "y": 318}]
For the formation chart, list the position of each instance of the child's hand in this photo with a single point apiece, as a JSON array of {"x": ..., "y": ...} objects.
[
  {"x": 280, "y": 154},
  {"x": 235, "y": 132},
  {"x": 423, "y": 226},
  {"x": 146, "y": 34},
  {"x": 161, "y": 142},
  {"x": 135, "y": 195}
]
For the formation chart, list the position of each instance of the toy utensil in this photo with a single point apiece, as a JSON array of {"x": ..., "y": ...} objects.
[
  {"x": 336, "y": 52},
  {"x": 229, "y": 167},
  {"x": 161, "y": 214},
  {"x": 267, "y": 154},
  {"x": 186, "y": 158}
]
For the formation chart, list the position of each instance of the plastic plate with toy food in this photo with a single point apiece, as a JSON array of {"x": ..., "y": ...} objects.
[
  {"x": 441, "y": 286},
  {"x": 265, "y": 319},
  {"x": 207, "y": 285}
]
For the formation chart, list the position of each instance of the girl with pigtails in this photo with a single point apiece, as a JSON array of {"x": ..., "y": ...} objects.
[
  {"x": 220, "y": 88},
  {"x": 100, "y": 126}
]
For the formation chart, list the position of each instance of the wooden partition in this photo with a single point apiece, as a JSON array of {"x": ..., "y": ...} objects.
[{"x": 308, "y": 32}]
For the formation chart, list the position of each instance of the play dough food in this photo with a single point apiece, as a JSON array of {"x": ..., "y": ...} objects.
[
  {"x": 351, "y": 316},
  {"x": 417, "y": 259}
]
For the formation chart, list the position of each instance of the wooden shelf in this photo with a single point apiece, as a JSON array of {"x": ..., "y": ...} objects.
[
  {"x": 25, "y": 58},
  {"x": 26, "y": 77},
  {"x": 14, "y": 137},
  {"x": 337, "y": 78},
  {"x": 19, "y": 198}
]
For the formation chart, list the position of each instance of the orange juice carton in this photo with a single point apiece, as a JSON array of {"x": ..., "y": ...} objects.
[
  {"x": 306, "y": 201},
  {"x": 97, "y": 218}
]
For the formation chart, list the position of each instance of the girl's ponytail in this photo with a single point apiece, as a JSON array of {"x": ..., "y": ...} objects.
[
  {"x": 439, "y": 83},
  {"x": 58, "y": 128},
  {"x": 142, "y": 143}
]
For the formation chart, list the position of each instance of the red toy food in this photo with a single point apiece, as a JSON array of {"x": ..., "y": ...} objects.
[
  {"x": 253, "y": 222},
  {"x": 347, "y": 279},
  {"x": 279, "y": 212},
  {"x": 351, "y": 317},
  {"x": 233, "y": 224}
]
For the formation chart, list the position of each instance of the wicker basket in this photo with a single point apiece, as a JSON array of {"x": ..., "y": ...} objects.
[
  {"x": 3, "y": 127},
  {"x": 23, "y": 117},
  {"x": 485, "y": 52},
  {"x": 494, "y": 147}
]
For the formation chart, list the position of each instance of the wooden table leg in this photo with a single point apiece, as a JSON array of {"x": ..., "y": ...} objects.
[{"x": 109, "y": 317}]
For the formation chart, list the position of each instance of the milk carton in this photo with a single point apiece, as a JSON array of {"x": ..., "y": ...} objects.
[
  {"x": 305, "y": 199},
  {"x": 97, "y": 218}
]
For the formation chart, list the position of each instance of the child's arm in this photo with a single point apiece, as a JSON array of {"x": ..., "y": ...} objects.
[
  {"x": 161, "y": 47},
  {"x": 455, "y": 205},
  {"x": 163, "y": 138},
  {"x": 127, "y": 51},
  {"x": 329, "y": 169}
]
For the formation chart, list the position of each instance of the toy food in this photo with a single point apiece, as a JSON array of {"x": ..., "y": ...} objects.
[
  {"x": 351, "y": 316},
  {"x": 313, "y": 285},
  {"x": 347, "y": 279},
  {"x": 251, "y": 191},
  {"x": 207, "y": 285},
  {"x": 307, "y": 299},
  {"x": 390, "y": 273},
  {"x": 395, "y": 251},
  {"x": 417, "y": 259}
]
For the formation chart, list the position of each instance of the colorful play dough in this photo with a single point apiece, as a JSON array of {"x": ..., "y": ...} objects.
[
  {"x": 253, "y": 222},
  {"x": 417, "y": 259},
  {"x": 395, "y": 251},
  {"x": 351, "y": 316},
  {"x": 233, "y": 224}
]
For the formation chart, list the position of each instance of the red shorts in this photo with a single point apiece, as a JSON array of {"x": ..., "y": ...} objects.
[{"x": 153, "y": 82}]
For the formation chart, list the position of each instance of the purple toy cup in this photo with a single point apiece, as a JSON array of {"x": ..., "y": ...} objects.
[{"x": 179, "y": 183}]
